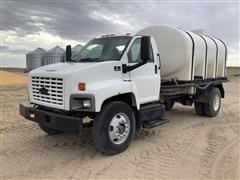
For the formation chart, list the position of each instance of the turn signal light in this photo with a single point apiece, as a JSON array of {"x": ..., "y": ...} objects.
[{"x": 82, "y": 86}]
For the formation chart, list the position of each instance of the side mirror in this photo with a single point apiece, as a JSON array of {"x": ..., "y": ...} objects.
[
  {"x": 68, "y": 53},
  {"x": 145, "y": 48},
  {"x": 145, "y": 55}
]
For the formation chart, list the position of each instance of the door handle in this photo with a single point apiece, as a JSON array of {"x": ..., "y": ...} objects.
[{"x": 156, "y": 69}]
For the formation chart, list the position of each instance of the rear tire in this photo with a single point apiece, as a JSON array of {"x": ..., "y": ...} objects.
[
  {"x": 169, "y": 105},
  {"x": 48, "y": 130},
  {"x": 212, "y": 108},
  {"x": 199, "y": 108},
  {"x": 114, "y": 128}
]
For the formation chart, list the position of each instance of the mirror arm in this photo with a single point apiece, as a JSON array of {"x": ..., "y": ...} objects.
[{"x": 126, "y": 68}]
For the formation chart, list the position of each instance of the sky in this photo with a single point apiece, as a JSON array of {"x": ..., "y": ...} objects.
[{"x": 28, "y": 24}]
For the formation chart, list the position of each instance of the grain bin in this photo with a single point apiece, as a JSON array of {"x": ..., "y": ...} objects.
[
  {"x": 54, "y": 55},
  {"x": 76, "y": 48},
  {"x": 188, "y": 55},
  {"x": 34, "y": 59}
]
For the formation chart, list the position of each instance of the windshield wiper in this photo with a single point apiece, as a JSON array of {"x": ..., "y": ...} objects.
[{"x": 90, "y": 59}]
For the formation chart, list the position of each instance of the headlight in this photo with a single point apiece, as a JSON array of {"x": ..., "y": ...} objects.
[
  {"x": 87, "y": 103},
  {"x": 82, "y": 102}
]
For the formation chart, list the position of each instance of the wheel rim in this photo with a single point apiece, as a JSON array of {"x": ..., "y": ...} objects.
[
  {"x": 216, "y": 102},
  {"x": 119, "y": 128}
]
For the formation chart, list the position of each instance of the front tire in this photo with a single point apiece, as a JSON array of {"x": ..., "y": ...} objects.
[{"x": 114, "y": 128}]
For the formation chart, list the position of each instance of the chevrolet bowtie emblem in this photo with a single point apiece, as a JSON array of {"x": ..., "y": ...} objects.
[{"x": 43, "y": 90}]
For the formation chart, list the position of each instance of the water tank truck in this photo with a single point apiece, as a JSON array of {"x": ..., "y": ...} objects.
[{"x": 125, "y": 83}]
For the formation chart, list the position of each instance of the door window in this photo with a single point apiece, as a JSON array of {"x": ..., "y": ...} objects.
[{"x": 134, "y": 54}]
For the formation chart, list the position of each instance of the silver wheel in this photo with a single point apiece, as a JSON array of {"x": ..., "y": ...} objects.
[
  {"x": 216, "y": 102},
  {"x": 119, "y": 128}
]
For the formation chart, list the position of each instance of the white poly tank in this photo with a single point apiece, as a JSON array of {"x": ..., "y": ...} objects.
[
  {"x": 34, "y": 59},
  {"x": 188, "y": 55},
  {"x": 54, "y": 55}
]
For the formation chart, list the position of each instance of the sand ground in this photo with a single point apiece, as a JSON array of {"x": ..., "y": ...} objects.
[
  {"x": 188, "y": 147},
  {"x": 12, "y": 79}
]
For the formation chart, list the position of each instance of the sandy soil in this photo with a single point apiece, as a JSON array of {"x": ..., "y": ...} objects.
[
  {"x": 189, "y": 146},
  {"x": 9, "y": 78}
]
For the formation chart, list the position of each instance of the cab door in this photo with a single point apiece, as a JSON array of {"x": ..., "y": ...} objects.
[{"x": 145, "y": 78}]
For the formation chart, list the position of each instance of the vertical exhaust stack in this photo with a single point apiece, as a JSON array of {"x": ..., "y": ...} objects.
[{"x": 68, "y": 53}]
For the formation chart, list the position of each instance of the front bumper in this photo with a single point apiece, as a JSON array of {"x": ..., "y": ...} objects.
[{"x": 52, "y": 120}]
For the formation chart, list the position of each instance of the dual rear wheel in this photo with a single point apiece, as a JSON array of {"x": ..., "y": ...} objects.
[{"x": 211, "y": 108}]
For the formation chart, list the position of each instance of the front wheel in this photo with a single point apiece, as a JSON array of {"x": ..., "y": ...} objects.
[{"x": 114, "y": 128}]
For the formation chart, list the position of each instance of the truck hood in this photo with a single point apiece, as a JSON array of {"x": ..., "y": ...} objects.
[
  {"x": 61, "y": 69},
  {"x": 89, "y": 72}
]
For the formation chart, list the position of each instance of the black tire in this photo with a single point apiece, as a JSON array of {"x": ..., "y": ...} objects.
[
  {"x": 209, "y": 109},
  {"x": 199, "y": 108},
  {"x": 101, "y": 128},
  {"x": 48, "y": 130},
  {"x": 169, "y": 105}
]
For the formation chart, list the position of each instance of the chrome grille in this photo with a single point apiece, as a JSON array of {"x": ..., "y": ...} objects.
[{"x": 53, "y": 90}]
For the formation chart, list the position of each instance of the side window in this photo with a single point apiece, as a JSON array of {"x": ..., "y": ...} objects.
[
  {"x": 134, "y": 55},
  {"x": 134, "y": 52}
]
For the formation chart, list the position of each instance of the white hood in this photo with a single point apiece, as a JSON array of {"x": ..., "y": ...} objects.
[
  {"x": 60, "y": 69},
  {"x": 80, "y": 71}
]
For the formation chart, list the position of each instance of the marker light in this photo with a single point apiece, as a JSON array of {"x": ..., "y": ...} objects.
[{"x": 82, "y": 86}]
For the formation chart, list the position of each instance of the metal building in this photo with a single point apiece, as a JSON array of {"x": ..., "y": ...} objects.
[
  {"x": 54, "y": 55},
  {"x": 76, "y": 48},
  {"x": 34, "y": 59}
]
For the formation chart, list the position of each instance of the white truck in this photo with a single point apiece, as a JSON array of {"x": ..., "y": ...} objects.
[{"x": 125, "y": 83}]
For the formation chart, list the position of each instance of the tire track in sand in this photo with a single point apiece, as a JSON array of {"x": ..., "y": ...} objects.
[{"x": 224, "y": 156}]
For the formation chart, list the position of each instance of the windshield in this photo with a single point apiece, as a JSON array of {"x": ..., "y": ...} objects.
[{"x": 103, "y": 49}]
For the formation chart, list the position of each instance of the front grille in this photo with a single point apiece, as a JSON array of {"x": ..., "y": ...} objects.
[{"x": 53, "y": 90}]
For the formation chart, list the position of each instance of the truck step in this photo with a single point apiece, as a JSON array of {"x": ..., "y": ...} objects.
[
  {"x": 152, "y": 115},
  {"x": 152, "y": 124}
]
